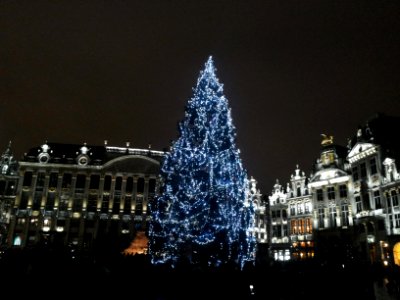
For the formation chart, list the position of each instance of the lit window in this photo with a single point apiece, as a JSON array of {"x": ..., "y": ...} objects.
[
  {"x": 345, "y": 214},
  {"x": 307, "y": 207},
  {"x": 292, "y": 209},
  {"x": 17, "y": 241},
  {"x": 299, "y": 208},
  {"x": 293, "y": 226},
  {"x": 332, "y": 216},
  {"x": 308, "y": 226}
]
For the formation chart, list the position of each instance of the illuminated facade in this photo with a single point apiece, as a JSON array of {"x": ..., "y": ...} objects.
[
  {"x": 373, "y": 157},
  {"x": 300, "y": 216},
  {"x": 350, "y": 202},
  {"x": 261, "y": 218},
  {"x": 71, "y": 194},
  {"x": 279, "y": 237}
]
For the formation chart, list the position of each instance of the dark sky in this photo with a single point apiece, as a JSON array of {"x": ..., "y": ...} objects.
[{"x": 86, "y": 71}]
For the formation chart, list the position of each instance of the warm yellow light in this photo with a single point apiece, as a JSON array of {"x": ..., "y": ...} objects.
[
  {"x": 385, "y": 263},
  {"x": 139, "y": 245}
]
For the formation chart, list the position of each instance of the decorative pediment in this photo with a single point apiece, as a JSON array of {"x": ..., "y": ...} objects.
[
  {"x": 328, "y": 176},
  {"x": 361, "y": 150}
]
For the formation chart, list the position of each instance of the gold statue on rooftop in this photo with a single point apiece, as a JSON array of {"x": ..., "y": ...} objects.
[{"x": 326, "y": 140}]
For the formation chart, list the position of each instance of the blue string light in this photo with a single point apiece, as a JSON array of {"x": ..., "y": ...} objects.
[{"x": 204, "y": 213}]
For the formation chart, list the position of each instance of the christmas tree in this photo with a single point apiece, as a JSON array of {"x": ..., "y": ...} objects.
[{"x": 203, "y": 214}]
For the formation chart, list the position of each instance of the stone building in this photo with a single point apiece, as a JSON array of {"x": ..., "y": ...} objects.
[
  {"x": 72, "y": 194},
  {"x": 349, "y": 206}
]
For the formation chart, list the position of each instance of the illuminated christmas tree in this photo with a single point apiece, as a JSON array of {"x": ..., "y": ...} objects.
[{"x": 203, "y": 215}]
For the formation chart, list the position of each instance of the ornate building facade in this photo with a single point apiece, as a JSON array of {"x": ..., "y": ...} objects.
[
  {"x": 300, "y": 216},
  {"x": 349, "y": 206},
  {"x": 71, "y": 194}
]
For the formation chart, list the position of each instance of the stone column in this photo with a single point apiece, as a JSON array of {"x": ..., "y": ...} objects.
[
  {"x": 45, "y": 190},
  {"x": 19, "y": 189},
  {"x": 145, "y": 195},
  {"x": 123, "y": 188},
  {"x": 112, "y": 192},
  {"x": 85, "y": 193},
  {"x": 72, "y": 192},
  {"x": 58, "y": 191},
  {"x": 32, "y": 190}
]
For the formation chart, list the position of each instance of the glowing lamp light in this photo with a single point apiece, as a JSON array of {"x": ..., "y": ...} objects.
[
  {"x": 17, "y": 241},
  {"x": 385, "y": 263}
]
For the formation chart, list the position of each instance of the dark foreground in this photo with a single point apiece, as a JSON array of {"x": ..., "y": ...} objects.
[{"x": 83, "y": 274}]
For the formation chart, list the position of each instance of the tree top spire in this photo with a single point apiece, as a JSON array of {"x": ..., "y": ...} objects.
[
  {"x": 210, "y": 65},
  {"x": 208, "y": 77}
]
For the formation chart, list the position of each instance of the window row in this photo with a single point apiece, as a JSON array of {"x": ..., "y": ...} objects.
[
  {"x": 360, "y": 172},
  {"x": 332, "y": 216},
  {"x": 302, "y": 208},
  {"x": 80, "y": 183},
  {"x": 302, "y": 226},
  {"x": 278, "y": 213},
  {"x": 77, "y": 203},
  {"x": 331, "y": 192}
]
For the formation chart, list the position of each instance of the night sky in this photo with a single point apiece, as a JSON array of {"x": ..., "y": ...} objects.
[{"x": 86, "y": 71}]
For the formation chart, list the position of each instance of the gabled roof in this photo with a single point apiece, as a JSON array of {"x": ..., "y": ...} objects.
[
  {"x": 360, "y": 150},
  {"x": 382, "y": 130}
]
